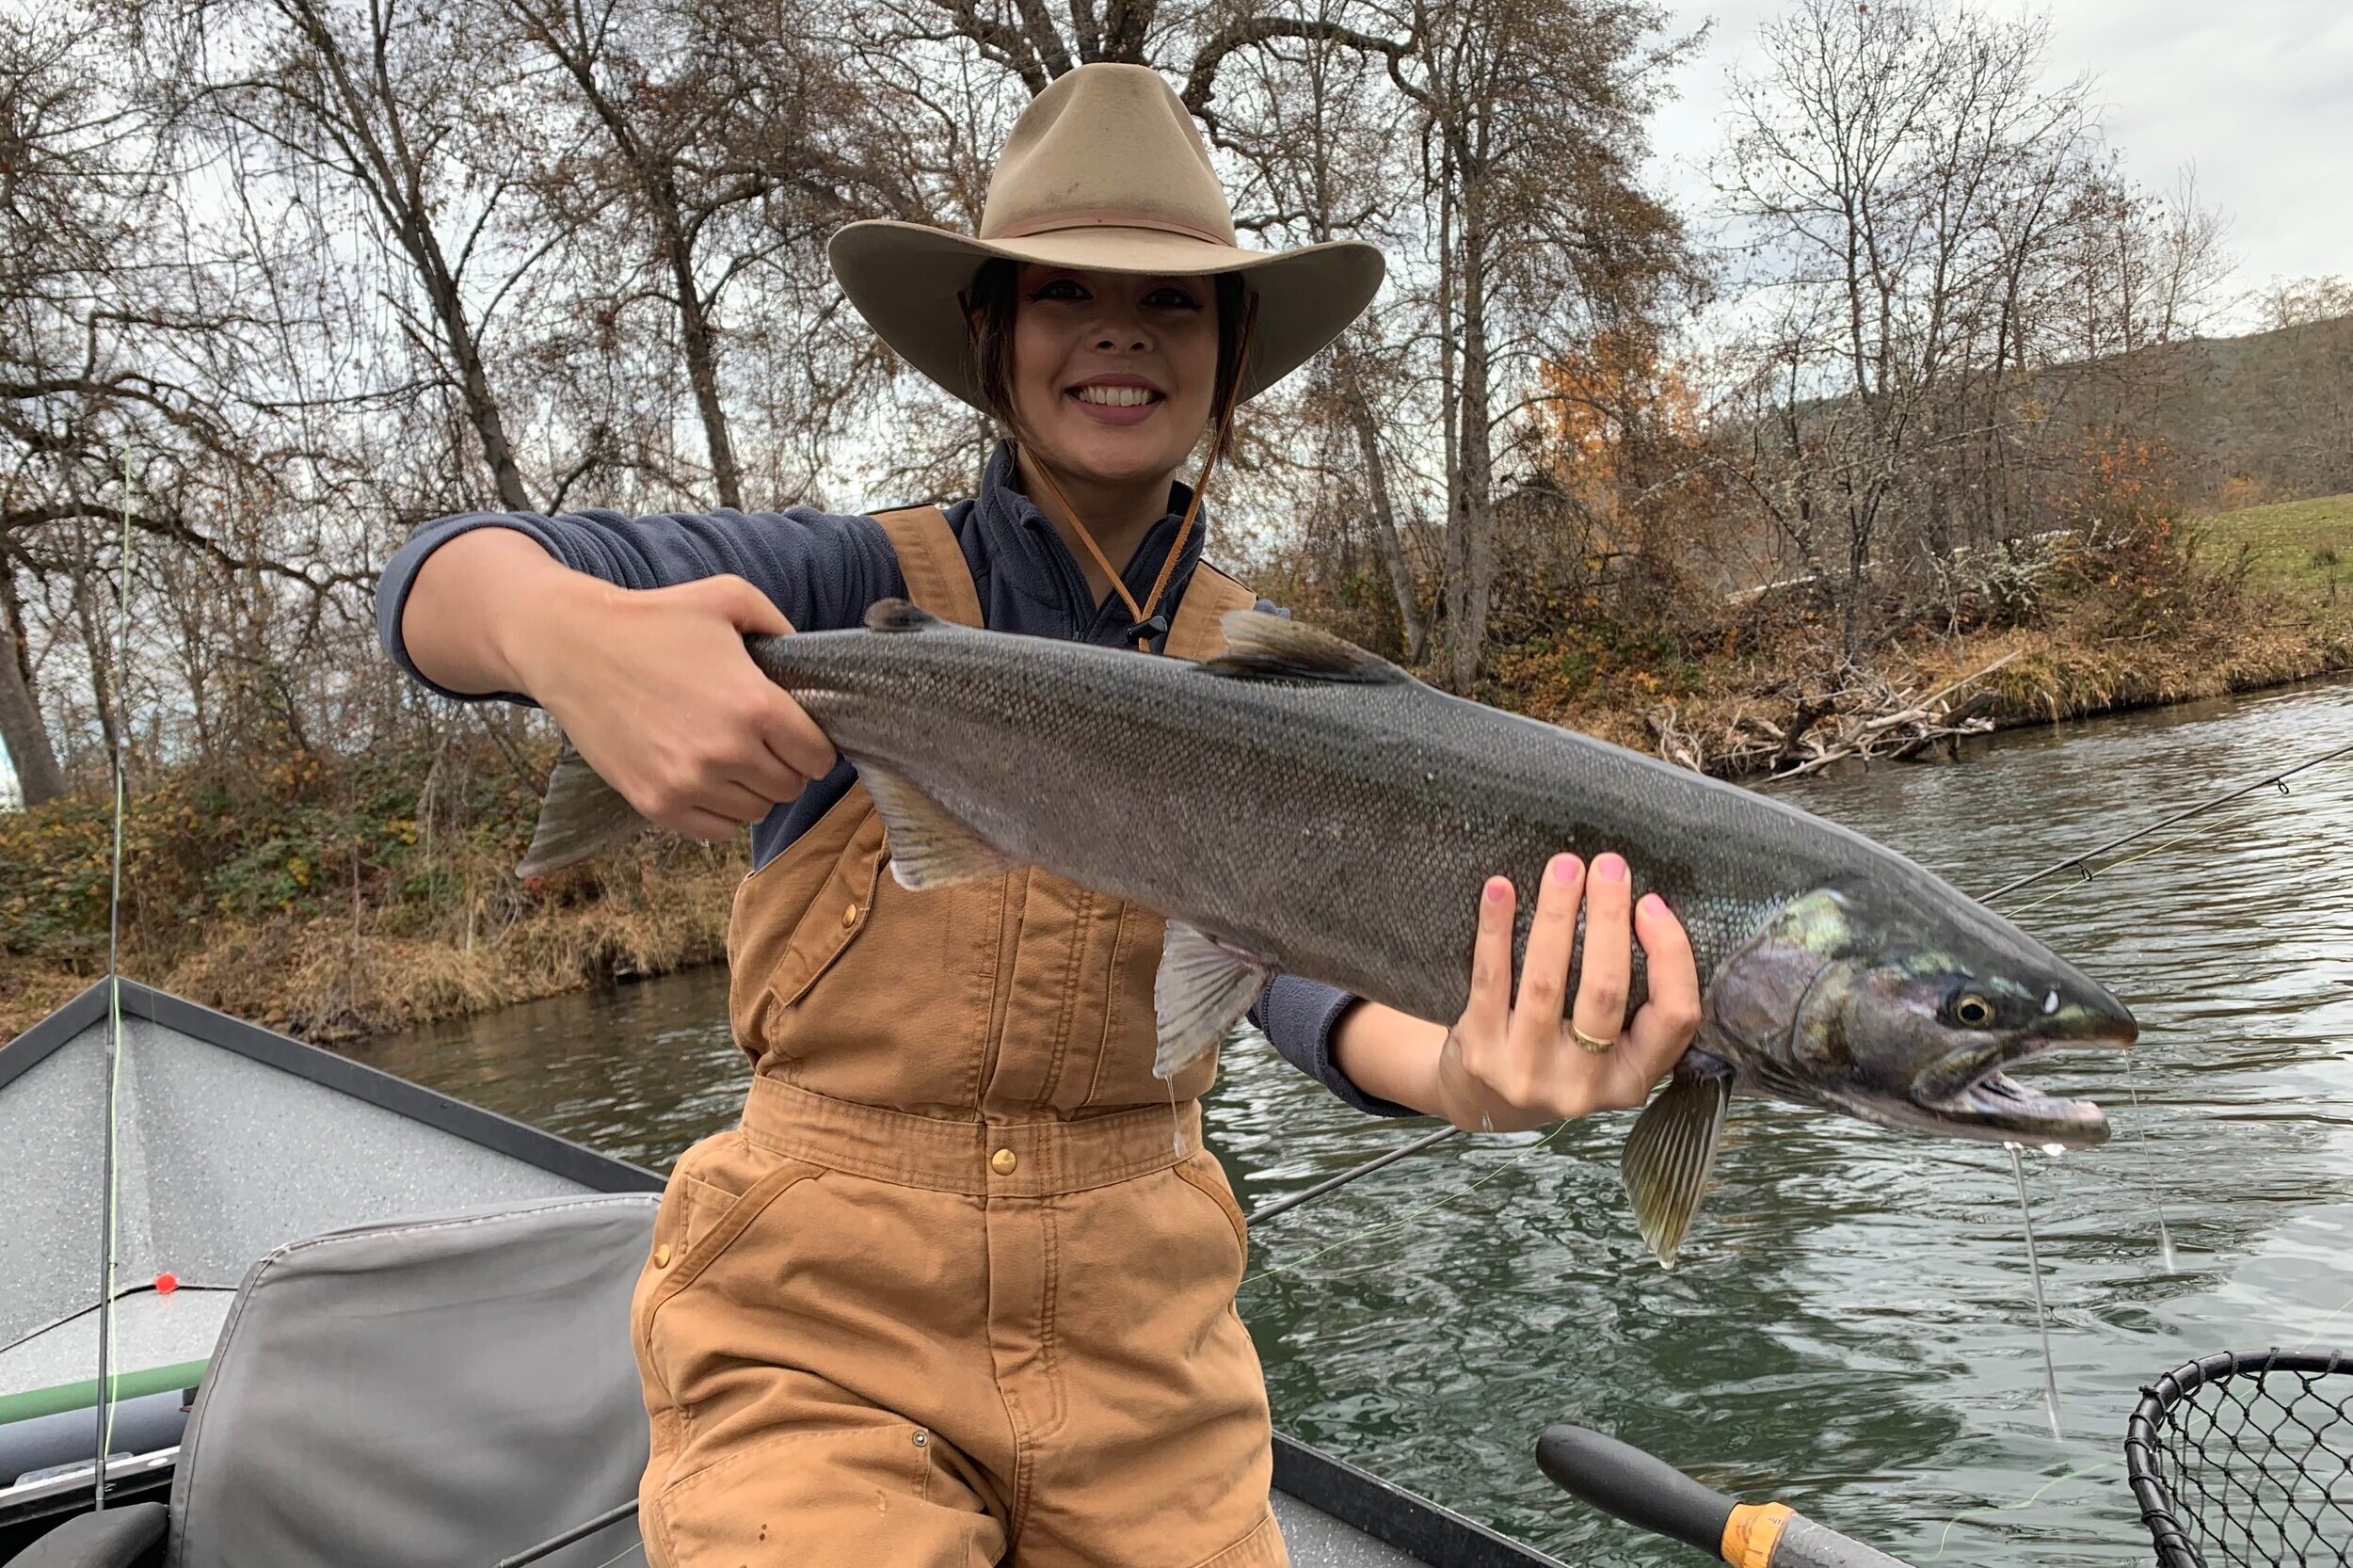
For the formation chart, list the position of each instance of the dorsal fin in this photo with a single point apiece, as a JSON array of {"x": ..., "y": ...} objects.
[
  {"x": 1261, "y": 647},
  {"x": 897, "y": 615}
]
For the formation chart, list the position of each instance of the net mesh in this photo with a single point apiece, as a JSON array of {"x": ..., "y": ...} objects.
[{"x": 2248, "y": 1459}]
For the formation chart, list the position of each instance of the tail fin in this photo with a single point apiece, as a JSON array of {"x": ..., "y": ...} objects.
[{"x": 582, "y": 818}]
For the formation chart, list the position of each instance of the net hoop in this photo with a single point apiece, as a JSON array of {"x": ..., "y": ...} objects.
[{"x": 2145, "y": 1452}]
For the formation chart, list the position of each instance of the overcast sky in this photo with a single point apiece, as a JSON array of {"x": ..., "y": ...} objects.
[{"x": 2256, "y": 94}]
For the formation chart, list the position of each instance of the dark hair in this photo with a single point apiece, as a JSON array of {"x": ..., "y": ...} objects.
[{"x": 988, "y": 311}]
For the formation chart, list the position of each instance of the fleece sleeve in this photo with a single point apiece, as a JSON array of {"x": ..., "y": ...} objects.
[
  {"x": 1298, "y": 1016},
  {"x": 821, "y": 571}
]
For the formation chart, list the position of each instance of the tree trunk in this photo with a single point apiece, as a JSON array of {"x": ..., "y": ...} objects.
[
  {"x": 21, "y": 728},
  {"x": 1474, "y": 519},
  {"x": 654, "y": 173},
  {"x": 1385, "y": 538},
  {"x": 396, "y": 180},
  {"x": 702, "y": 356},
  {"x": 481, "y": 409}
]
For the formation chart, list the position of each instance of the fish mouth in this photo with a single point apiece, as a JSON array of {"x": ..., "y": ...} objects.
[
  {"x": 1999, "y": 1109},
  {"x": 1990, "y": 1105}
]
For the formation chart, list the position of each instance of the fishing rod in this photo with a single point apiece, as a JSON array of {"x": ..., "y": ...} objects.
[
  {"x": 2082, "y": 863},
  {"x": 1280, "y": 1205},
  {"x": 107, "y": 1179}
]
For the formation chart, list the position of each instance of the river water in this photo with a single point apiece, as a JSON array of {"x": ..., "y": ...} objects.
[{"x": 1850, "y": 1328}]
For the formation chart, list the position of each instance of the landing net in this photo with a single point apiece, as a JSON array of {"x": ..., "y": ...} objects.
[{"x": 2247, "y": 1459}]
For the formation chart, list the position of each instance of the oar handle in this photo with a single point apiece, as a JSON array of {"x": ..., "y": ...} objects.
[
  {"x": 1646, "y": 1491},
  {"x": 1639, "y": 1488}
]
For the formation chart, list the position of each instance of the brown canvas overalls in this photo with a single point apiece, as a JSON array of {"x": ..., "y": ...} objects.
[{"x": 950, "y": 1295}]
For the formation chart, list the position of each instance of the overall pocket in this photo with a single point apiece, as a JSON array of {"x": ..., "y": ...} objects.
[
  {"x": 1200, "y": 1172},
  {"x": 720, "y": 1189}
]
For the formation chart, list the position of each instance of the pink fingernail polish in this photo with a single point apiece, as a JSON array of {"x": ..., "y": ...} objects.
[
  {"x": 1498, "y": 890},
  {"x": 1654, "y": 905},
  {"x": 1610, "y": 867},
  {"x": 1565, "y": 869}
]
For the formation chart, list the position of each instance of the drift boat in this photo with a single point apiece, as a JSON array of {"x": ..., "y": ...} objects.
[{"x": 352, "y": 1321}]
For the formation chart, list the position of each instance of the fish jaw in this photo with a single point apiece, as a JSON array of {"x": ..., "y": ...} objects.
[{"x": 1985, "y": 1103}]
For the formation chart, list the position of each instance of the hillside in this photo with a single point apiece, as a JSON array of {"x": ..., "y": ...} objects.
[{"x": 2256, "y": 418}]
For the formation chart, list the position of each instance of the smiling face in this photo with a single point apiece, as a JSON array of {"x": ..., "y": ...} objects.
[{"x": 1113, "y": 375}]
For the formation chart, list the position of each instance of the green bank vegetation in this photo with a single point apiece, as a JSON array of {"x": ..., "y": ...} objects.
[{"x": 2302, "y": 549}]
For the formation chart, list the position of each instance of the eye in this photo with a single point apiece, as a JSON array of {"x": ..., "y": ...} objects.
[
  {"x": 1060, "y": 288},
  {"x": 1971, "y": 1010},
  {"x": 1172, "y": 298}
]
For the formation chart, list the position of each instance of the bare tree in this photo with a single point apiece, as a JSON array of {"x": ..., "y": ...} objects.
[
  {"x": 1933, "y": 226},
  {"x": 1531, "y": 115},
  {"x": 395, "y": 100}
]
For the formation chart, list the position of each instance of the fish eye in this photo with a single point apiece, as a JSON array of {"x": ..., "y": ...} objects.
[{"x": 1970, "y": 1010}]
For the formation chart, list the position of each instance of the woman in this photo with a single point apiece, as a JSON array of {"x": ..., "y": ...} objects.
[{"x": 948, "y": 1295}]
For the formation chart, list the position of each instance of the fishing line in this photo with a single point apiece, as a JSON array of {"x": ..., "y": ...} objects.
[
  {"x": 2026, "y": 1502},
  {"x": 1406, "y": 1219},
  {"x": 2042, "y": 1313}
]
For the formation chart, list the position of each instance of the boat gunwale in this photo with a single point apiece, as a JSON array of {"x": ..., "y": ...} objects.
[{"x": 558, "y": 1156}]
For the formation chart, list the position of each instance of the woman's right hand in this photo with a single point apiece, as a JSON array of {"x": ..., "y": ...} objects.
[{"x": 654, "y": 689}]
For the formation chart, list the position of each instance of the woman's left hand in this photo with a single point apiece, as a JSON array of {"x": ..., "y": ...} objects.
[{"x": 1514, "y": 1062}]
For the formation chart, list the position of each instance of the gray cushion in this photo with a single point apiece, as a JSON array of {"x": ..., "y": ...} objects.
[{"x": 429, "y": 1392}]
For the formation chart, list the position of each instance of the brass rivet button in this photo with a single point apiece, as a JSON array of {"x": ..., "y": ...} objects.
[
  {"x": 662, "y": 1255},
  {"x": 1003, "y": 1162},
  {"x": 849, "y": 916}
]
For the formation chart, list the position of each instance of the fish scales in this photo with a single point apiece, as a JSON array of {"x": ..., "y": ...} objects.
[{"x": 1227, "y": 804}]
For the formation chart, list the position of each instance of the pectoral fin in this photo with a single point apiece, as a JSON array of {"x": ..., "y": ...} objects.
[
  {"x": 928, "y": 847},
  {"x": 581, "y": 817},
  {"x": 1204, "y": 986},
  {"x": 1668, "y": 1154}
]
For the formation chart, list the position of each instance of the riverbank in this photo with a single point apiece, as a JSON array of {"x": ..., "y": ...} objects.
[
  {"x": 339, "y": 897},
  {"x": 2267, "y": 601}
]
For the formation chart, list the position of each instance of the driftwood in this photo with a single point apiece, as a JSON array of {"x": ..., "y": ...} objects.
[{"x": 1866, "y": 721}]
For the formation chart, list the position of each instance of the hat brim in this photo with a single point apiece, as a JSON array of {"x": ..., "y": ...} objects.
[{"x": 907, "y": 280}]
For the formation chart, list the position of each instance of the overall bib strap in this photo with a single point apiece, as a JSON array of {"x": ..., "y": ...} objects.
[
  {"x": 1198, "y": 631},
  {"x": 939, "y": 578}
]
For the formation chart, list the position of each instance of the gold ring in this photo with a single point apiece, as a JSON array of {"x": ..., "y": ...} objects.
[{"x": 1599, "y": 1047}]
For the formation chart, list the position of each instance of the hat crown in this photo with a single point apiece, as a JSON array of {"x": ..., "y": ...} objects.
[{"x": 1106, "y": 146}]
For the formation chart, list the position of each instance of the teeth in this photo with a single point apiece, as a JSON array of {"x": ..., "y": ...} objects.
[{"x": 1116, "y": 397}]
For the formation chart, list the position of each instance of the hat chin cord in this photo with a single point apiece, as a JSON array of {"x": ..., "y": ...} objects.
[{"x": 1147, "y": 623}]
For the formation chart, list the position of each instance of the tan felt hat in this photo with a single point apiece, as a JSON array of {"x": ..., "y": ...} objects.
[{"x": 1104, "y": 171}]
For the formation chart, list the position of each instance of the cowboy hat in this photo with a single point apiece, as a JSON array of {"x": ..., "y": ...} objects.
[{"x": 1104, "y": 172}]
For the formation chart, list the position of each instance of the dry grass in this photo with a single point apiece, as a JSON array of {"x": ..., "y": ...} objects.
[{"x": 661, "y": 906}]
